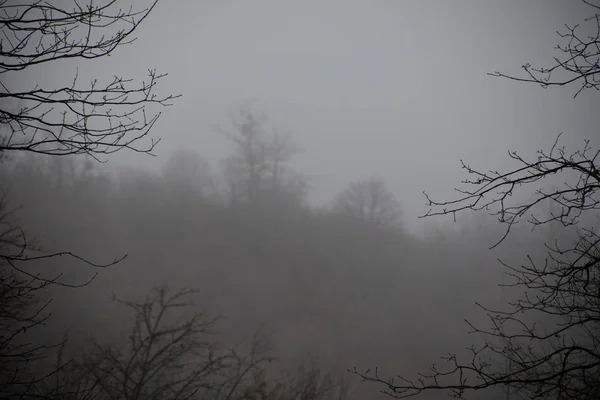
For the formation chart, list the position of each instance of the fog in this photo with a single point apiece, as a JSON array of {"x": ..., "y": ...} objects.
[
  {"x": 393, "y": 91},
  {"x": 361, "y": 86},
  {"x": 350, "y": 293}
]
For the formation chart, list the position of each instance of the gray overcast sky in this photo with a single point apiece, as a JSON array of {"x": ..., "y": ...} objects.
[{"x": 390, "y": 88}]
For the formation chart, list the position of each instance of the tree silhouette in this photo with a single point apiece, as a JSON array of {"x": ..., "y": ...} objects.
[
  {"x": 102, "y": 117},
  {"x": 546, "y": 343},
  {"x": 258, "y": 168},
  {"x": 368, "y": 200},
  {"x": 95, "y": 119},
  {"x": 170, "y": 354}
]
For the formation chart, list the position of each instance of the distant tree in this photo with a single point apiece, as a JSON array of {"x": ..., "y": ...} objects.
[
  {"x": 187, "y": 169},
  {"x": 236, "y": 188},
  {"x": 280, "y": 150},
  {"x": 63, "y": 169},
  {"x": 370, "y": 201},
  {"x": 309, "y": 382},
  {"x": 259, "y": 163},
  {"x": 248, "y": 165},
  {"x": 545, "y": 344}
]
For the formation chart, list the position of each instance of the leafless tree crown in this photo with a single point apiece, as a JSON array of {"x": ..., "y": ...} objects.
[{"x": 98, "y": 118}]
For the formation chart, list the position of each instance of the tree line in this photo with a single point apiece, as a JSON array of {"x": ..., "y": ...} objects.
[{"x": 543, "y": 344}]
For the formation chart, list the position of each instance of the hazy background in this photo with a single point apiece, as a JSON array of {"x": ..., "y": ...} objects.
[
  {"x": 395, "y": 89},
  {"x": 392, "y": 89}
]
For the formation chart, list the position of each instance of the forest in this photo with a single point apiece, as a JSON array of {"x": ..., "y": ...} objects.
[
  {"x": 203, "y": 280},
  {"x": 331, "y": 283}
]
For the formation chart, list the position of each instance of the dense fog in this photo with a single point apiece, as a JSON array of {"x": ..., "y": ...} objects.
[
  {"x": 289, "y": 189},
  {"x": 322, "y": 282}
]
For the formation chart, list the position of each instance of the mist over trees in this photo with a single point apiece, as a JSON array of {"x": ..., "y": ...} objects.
[
  {"x": 297, "y": 275},
  {"x": 58, "y": 121},
  {"x": 370, "y": 201},
  {"x": 314, "y": 281},
  {"x": 202, "y": 280},
  {"x": 258, "y": 168},
  {"x": 544, "y": 343}
]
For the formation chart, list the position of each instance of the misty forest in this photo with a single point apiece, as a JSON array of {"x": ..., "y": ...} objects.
[{"x": 140, "y": 263}]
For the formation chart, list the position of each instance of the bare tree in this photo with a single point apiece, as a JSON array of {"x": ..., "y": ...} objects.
[
  {"x": 249, "y": 161},
  {"x": 22, "y": 309},
  {"x": 546, "y": 343},
  {"x": 95, "y": 119},
  {"x": 188, "y": 171},
  {"x": 259, "y": 164},
  {"x": 170, "y": 355},
  {"x": 233, "y": 172},
  {"x": 370, "y": 201},
  {"x": 19, "y": 308},
  {"x": 281, "y": 148}
]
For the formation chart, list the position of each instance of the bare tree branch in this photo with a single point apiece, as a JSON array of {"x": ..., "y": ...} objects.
[
  {"x": 546, "y": 343},
  {"x": 97, "y": 120},
  {"x": 580, "y": 61},
  {"x": 171, "y": 355}
]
